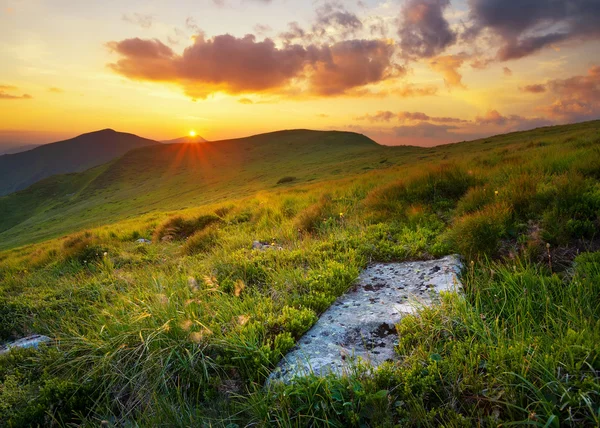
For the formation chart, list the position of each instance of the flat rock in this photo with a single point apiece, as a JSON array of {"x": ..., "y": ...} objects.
[
  {"x": 362, "y": 323},
  {"x": 27, "y": 342}
]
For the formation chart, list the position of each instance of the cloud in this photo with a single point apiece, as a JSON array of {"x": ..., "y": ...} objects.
[
  {"x": 448, "y": 67},
  {"x": 352, "y": 64},
  {"x": 507, "y": 71},
  {"x": 335, "y": 21},
  {"x": 139, "y": 19},
  {"x": 534, "y": 89},
  {"x": 527, "y": 27},
  {"x": 407, "y": 116},
  {"x": 424, "y": 32},
  {"x": 410, "y": 90},
  {"x": 244, "y": 65},
  {"x": 262, "y": 29},
  {"x": 245, "y": 101},
  {"x": 6, "y": 95},
  {"x": 56, "y": 90},
  {"x": 576, "y": 98},
  {"x": 512, "y": 122},
  {"x": 425, "y": 130}
]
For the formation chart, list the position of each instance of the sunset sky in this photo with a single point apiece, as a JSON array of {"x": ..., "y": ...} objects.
[{"x": 419, "y": 72}]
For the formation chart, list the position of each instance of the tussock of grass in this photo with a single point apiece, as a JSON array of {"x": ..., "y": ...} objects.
[{"x": 177, "y": 228}]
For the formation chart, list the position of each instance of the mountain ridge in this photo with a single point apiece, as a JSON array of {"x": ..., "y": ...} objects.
[{"x": 20, "y": 170}]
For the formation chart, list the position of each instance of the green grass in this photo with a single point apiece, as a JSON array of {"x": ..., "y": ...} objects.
[{"x": 185, "y": 331}]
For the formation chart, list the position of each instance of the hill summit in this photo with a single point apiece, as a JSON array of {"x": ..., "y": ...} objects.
[{"x": 19, "y": 171}]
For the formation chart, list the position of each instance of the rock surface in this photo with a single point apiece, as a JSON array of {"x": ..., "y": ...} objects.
[
  {"x": 27, "y": 342},
  {"x": 263, "y": 246},
  {"x": 362, "y": 323}
]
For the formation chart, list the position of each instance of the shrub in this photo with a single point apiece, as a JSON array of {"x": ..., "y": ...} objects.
[
  {"x": 311, "y": 217},
  {"x": 480, "y": 233},
  {"x": 178, "y": 228},
  {"x": 201, "y": 242},
  {"x": 474, "y": 200},
  {"x": 288, "y": 179},
  {"x": 83, "y": 247}
]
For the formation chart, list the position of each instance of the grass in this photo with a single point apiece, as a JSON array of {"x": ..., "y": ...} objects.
[{"x": 185, "y": 330}]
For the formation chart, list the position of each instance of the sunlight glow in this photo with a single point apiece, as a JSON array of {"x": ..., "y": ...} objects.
[{"x": 193, "y": 133}]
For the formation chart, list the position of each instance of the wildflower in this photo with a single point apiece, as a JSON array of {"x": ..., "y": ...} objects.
[
  {"x": 341, "y": 215},
  {"x": 105, "y": 254},
  {"x": 496, "y": 193}
]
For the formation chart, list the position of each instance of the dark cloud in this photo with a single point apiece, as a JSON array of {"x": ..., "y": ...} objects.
[
  {"x": 525, "y": 27},
  {"x": 424, "y": 32},
  {"x": 352, "y": 64},
  {"x": 244, "y": 65},
  {"x": 507, "y": 71},
  {"x": 534, "y": 89},
  {"x": 333, "y": 17}
]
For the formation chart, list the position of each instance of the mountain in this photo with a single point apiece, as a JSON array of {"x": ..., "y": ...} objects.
[
  {"x": 175, "y": 176},
  {"x": 20, "y": 170},
  {"x": 186, "y": 140},
  {"x": 9, "y": 149}
]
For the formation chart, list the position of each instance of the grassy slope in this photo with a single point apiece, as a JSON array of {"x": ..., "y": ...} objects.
[
  {"x": 21, "y": 170},
  {"x": 174, "y": 177},
  {"x": 184, "y": 331}
]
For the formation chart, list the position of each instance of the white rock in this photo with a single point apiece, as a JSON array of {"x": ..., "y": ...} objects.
[
  {"x": 27, "y": 342},
  {"x": 362, "y": 323}
]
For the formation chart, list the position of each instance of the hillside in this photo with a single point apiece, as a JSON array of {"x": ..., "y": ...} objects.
[
  {"x": 169, "y": 313},
  {"x": 20, "y": 170},
  {"x": 177, "y": 176}
]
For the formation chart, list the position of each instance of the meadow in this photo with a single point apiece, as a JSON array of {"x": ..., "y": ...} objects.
[{"x": 184, "y": 331}]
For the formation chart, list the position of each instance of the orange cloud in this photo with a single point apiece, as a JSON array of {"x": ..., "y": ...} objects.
[
  {"x": 244, "y": 65},
  {"x": 576, "y": 98},
  {"x": 448, "y": 66}
]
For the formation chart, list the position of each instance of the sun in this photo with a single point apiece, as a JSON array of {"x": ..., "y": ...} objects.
[{"x": 193, "y": 133}]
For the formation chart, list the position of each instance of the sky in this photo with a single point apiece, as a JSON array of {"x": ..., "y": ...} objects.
[{"x": 418, "y": 72}]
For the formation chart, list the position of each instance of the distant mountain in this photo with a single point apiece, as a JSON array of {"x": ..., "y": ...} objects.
[
  {"x": 168, "y": 177},
  {"x": 9, "y": 149},
  {"x": 19, "y": 171},
  {"x": 186, "y": 140}
]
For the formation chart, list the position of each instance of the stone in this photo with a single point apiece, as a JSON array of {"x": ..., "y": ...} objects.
[
  {"x": 362, "y": 323},
  {"x": 27, "y": 342},
  {"x": 262, "y": 246},
  {"x": 143, "y": 241}
]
